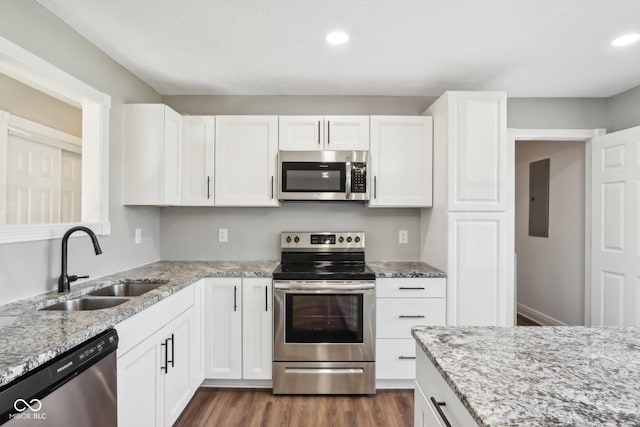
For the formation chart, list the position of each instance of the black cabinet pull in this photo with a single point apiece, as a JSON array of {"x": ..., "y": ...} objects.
[
  {"x": 318, "y": 132},
  {"x": 442, "y": 415},
  {"x": 410, "y": 288},
  {"x": 375, "y": 187},
  {"x": 165, "y": 368},
  {"x": 407, "y": 316},
  {"x": 406, "y": 357},
  {"x": 266, "y": 298},
  {"x": 272, "y": 190},
  {"x": 173, "y": 344},
  {"x": 208, "y": 187},
  {"x": 235, "y": 298},
  {"x": 328, "y": 132}
]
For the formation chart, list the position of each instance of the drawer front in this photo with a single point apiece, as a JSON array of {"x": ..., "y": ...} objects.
[
  {"x": 396, "y": 316},
  {"x": 411, "y": 288},
  {"x": 395, "y": 359},
  {"x": 433, "y": 385}
]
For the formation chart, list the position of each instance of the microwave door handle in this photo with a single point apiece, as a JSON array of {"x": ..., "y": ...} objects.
[{"x": 348, "y": 179}]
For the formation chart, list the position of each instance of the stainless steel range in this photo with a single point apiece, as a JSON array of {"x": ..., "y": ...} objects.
[{"x": 324, "y": 315}]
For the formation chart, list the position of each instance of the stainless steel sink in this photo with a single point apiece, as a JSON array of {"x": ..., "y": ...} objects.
[
  {"x": 126, "y": 290},
  {"x": 84, "y": 304}
]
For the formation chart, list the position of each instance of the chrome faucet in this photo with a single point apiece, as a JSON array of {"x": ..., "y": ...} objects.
[{"x": 64, "y": 282}]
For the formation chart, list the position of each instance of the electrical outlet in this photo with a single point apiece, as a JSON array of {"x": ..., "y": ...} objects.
[
  {"x": 403, "y": 237},
  {"x": 223, "y": 235},
  {"x": 138, "y": 237}
]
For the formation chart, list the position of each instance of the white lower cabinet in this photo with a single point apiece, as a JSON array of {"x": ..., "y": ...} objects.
[
  {"x": 402, "y": 303},
  {"x": 434, "y": 400},
  {"x": 155, "y": 375},
  {"x": 238, "y": 329}
]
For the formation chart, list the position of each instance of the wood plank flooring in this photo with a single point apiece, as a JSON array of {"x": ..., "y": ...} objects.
[{"x": 259, "y": 408}]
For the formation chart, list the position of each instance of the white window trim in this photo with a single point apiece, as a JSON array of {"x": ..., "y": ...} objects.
[{"x": 24, "y": 66}]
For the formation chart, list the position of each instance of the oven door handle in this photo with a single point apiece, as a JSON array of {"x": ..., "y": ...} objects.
[{"x": 324, "y": 286}]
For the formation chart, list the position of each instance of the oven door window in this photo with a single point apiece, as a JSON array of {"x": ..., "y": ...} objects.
[
  {"x": 317, "y": 318},
  {"x": 307, "y": 177}
]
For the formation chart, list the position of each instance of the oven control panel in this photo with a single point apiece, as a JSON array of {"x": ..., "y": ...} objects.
[{"x": 322, "y": 240}]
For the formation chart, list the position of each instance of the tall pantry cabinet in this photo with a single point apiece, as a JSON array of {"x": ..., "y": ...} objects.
[{"x": 469, "y": 232}]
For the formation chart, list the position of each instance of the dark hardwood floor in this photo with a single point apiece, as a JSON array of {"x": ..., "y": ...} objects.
[
  {"x": 524, "y": 321},
  {"x": 258, "y": 407}
]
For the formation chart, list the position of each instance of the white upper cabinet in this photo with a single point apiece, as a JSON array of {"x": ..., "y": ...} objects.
[
  {"x": 198, "y": 140},
  {"x": 245, "y": 161},
  {"x": 401, "y": 161},
  {"x": 311, "y": 133},
  {"x": 152, "y": 155}
]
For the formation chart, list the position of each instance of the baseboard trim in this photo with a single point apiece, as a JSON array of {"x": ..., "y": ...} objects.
[
  {"x": 237, "y": 383},
  {"x": 394, "y": 384},
  {"x": 538, "y": 316}
]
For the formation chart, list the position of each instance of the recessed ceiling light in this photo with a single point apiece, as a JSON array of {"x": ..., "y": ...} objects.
[
  {"x": 337, "y": 37},
  {"x": 626, "y": 40}
]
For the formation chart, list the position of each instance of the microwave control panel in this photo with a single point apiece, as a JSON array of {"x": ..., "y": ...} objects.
[{"x": 359, "y": 178}]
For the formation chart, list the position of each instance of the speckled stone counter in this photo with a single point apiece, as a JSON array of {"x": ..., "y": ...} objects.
[
  {"x": 540, "y": 376},
  {"x": 404, "y": 269},
  {"x": 29, "y": 338}
]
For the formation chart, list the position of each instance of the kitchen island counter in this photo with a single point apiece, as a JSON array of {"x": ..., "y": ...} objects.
[{"x": 542, "y": 376}]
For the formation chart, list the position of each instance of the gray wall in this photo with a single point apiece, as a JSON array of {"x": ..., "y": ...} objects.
[
  {"x": 557, "y": 113},
  {"x": 33, "y": 267},
  {"x": 192, "y": 233},
  {"x": 623, "y": 110}
]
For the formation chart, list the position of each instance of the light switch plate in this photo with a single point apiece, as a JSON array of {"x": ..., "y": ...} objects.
[
  {"x": 138, "y": 237},
  {"x": 403, "y": 237},
  {"x": 223, "y": 235}
]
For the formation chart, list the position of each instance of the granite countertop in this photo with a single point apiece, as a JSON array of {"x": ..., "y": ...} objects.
[
  {"x": 29, "y": 338},
  {"x": 540, "y": 376},
  {"x": 395, "y": 269}
]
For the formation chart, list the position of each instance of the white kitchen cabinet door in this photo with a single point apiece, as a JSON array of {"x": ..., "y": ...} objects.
[
  {"x": 141, "y": 384},
  {"x": 347, "y": 133},
  {"x": 245, "y": 161},
  {"x": 223, "y": 328},
  {"x": 301, "y": 133},
  {"x": 477, "y": 166},
  {"x": 401, "y": 161},
  {"x": 257, "y": 329},
  {"x": 152, "y": 155},
  {"x": 615, "y": 229},
  {"x": 177, "y": 389},
  {"x": 477, "y": 284},
  {"x": 196, "y": 371},
  {"x": 197, "y": 160}
]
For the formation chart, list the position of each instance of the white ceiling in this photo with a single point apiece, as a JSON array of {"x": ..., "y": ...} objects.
[{"x": 530, "y": 48}]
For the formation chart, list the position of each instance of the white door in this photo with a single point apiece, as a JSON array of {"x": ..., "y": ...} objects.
[
  {"x": 401, "y": 161},
  {"x": 70, "y": 187},
  {"x": 223, "y": 328},
  {"x": 245, "y": 161},
  {"x": 33, "y": 182},
  {"x": 172, "y": 157},
  {"x": 141, "y": 384},
  {"x": 197, "y": 160},
  {"x": 615, "y": 232},
  {"x": 301, "y": 133},
  {"x": 347, "y": 132},
  {"x": 177, "y": 387},
  {"x": 257, "y": 329}
]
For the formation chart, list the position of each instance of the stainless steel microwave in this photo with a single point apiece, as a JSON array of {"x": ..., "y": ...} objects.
[{"x": 323, "y": 175}]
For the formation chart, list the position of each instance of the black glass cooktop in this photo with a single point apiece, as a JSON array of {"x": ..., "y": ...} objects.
[{"x": 323, "y": 270}]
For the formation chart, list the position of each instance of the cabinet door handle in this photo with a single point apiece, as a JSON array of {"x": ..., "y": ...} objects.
[
  {"x": 437, "y": 405},
  {"x": 208, "y": 187},
  {"x": 407, "y": 316},
  {"x": 165, "y": 368},
  {"x": 266, "y": 298},
  {"x": 406, "y": 288},
  {"x": 272, "y": 180},
  {"x": 406, "y": 357},
  {"x": 235, "y": 298},
  {"x": 173, "y": 343},
  {"x": 318, "y": 132},
  {"x": 328, "y": 132},
  {"x": 375, "y": 187}
]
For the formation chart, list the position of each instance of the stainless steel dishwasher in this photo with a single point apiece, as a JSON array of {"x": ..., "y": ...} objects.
[{"x": 77, "y": 388}]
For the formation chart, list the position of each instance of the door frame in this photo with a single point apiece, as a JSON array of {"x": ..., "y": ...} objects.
[{"x": 559, "y": 135}]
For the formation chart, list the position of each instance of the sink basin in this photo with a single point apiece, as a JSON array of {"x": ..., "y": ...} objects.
[
  {"x": 126, "y": 290},
  {"x": 84, "y": 304}
]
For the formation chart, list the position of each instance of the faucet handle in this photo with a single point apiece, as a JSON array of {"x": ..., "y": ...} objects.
[{"x": 73, "y": 278}]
